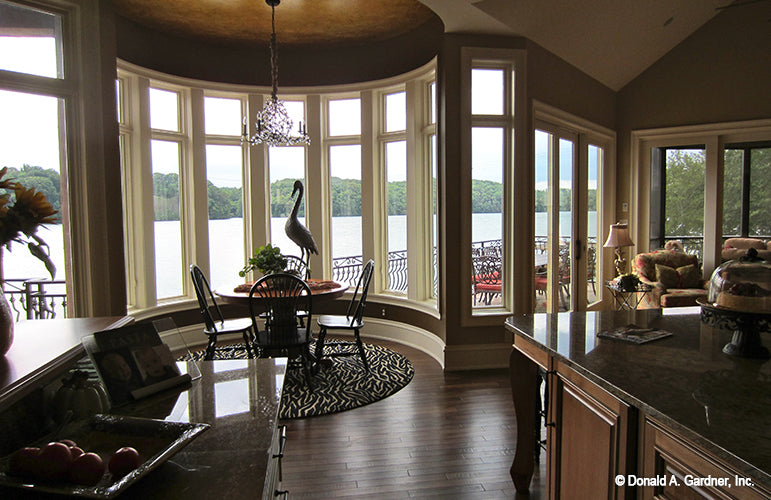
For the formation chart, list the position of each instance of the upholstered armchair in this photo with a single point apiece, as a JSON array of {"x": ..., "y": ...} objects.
[
  {"x": 733, "y": 248},
  {"x": 675, "y": 277}
]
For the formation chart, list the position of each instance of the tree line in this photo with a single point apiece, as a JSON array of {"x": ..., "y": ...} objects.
[{"x": 227, "y": 202}]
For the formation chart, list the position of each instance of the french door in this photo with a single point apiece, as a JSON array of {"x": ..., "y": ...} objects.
[{"x": 568, "y": 168}]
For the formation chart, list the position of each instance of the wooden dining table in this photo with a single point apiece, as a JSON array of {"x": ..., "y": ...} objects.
[{"x": 321, "y": 291}]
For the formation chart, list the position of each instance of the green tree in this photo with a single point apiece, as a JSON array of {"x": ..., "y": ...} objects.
[{"x": 684, "y": 192}]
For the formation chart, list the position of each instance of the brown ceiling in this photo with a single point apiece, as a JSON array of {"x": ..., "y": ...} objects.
[{"x": 298, "y": 22}]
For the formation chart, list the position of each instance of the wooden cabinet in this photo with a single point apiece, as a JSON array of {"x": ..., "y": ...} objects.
[
  {"x": 587, "y": 438},
  {"x": 685, "y": 471}
]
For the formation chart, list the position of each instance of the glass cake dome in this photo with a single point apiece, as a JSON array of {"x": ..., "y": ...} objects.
[{"x": 742, "y": 285}]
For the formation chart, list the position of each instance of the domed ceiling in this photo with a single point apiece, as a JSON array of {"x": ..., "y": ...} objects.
[
  {"x": 320, "y": 42},
  {"x": 298, "y": 22}
]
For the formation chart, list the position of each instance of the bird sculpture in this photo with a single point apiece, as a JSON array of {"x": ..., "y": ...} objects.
[{"x": 296, "y": 231}]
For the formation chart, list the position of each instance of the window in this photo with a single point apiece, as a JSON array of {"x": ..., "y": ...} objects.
[
  {"x": 491, "y": 160},
  {"x": 395, "y": 146},
  {"x": 344, "y": 130},
  {"x": 33, "y": 137},
  {"x": 192, "y": 154},
  {"x": 35, "y": 46},
  {"x": 681, "y": 203},
  {"x": 746, "y": 188}
]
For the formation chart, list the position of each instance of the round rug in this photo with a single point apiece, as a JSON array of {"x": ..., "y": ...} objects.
[{"x": 343, "y": 385}]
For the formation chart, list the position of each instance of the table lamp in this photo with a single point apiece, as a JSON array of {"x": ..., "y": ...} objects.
[{"x": 618, "y": 238}]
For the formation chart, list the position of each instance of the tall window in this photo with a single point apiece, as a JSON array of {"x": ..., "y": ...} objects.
[
  {"x": 681, "y": 197},
  {"x": 33, "y": 132},
  {"x": 224, "y": 175},
  {"x": 747, "y": 190},
  {"x": 345, "y": 184},
  {"x": 286, "y": 165},
  {"x": 396, "y": 192},
  {"x": 490, "y": 102},
  {"x": 166, "y": 150}
]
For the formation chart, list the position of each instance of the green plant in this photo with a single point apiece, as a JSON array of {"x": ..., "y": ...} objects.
[{"x": 267, "y": 259}]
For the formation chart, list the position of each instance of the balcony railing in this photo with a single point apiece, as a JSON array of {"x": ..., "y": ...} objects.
[{"x": 36, "y": 298}]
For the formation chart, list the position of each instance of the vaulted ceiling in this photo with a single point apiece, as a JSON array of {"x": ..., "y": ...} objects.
[{"x": 613, "y": 41}]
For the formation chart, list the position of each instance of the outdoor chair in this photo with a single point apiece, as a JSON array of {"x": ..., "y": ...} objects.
[
  {"x": 216, "y": 325},
  {"x": 353, "y": 319},
  {"x": 281, "y": 296},
  {"x": 487, "y": 278}
]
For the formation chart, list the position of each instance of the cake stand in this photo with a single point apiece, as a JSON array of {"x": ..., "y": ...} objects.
[{"x": 746, "y": 328}]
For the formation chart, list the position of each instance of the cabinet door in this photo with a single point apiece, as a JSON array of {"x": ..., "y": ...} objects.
[
  {"x": 681, "y": 464},
  {"x": 588, "y": 441}
]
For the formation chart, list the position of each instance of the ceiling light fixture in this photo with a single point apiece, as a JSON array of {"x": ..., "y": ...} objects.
[{"x": 274, "y": 127}]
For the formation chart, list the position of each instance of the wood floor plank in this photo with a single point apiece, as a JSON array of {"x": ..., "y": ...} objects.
[{"x": 445, "y": 435}]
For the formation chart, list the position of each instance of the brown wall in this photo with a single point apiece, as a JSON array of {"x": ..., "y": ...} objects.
[
  {"x": 297, "y": 66},
  {"x": 721, "y": 73}
]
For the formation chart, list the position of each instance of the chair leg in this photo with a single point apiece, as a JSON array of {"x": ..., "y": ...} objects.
[
  {"x": 305, "y": 357},
  {"x": 361, "y": 349},
  {"x": 320, "y": 344},
  {"x": 209, "y": 354},
  {"x": 248, "y": 342}
]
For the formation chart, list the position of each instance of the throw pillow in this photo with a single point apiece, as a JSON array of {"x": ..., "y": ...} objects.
[
  {"x": 682, "y": 277},
  {"x": 689, "y": 276},
  {"x": 667, "y": 276}
]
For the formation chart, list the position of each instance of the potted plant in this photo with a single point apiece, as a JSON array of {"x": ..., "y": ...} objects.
[
  {"x": 628, "y": 282},
  {"x": 267, "y": 259}
]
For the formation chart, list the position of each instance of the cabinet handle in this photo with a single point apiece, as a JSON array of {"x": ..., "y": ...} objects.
[
  {"x": 550, "y": 424},
  {"x": 284, "y": 494},
  {"x": 281, "y": 443}
]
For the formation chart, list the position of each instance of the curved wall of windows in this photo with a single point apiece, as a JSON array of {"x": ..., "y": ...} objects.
[{"x": 196, "y": 195}]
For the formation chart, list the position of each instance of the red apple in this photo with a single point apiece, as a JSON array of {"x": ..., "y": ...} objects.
[
  {"x": 123, "y": 461},
  {"x": 75, "y": 451},
  {"x": 87, "y": 469},
  {"x": 24, "y": 462},
  {"x": 54, "y": 460},
  {"x": 68, "y": 442}
]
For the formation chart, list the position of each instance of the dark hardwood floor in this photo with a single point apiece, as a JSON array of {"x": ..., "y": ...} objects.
[{"x": 445, "y": 435}]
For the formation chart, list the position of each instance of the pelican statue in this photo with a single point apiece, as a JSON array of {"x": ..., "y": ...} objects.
[{"x": 296, "y": 231}]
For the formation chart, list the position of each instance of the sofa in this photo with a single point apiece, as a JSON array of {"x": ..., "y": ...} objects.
[
  {"x": 733, "y": 248},
  {"x": 675, "y": 277}
]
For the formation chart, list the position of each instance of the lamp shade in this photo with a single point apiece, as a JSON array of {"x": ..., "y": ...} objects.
[{"x": 618, "y": 236}]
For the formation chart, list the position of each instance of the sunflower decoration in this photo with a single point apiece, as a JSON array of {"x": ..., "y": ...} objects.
[{"x": 21, "y": 214}]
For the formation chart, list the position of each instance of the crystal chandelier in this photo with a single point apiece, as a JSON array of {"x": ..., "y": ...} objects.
[{"x": 274, "y": 127}]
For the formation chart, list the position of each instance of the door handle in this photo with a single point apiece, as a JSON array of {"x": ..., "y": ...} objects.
[{"x": 579, "y": 249}]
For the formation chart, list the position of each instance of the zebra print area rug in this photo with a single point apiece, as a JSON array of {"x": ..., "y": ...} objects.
[{"x": 344, "y": 385}]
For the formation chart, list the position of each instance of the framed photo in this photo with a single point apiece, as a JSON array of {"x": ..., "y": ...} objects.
[{"x": 133, "y": 362}]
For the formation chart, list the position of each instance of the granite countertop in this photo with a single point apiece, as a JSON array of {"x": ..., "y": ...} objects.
[
  {"x": 720, "y": 402},
  {"x": 239, "y": 399}
]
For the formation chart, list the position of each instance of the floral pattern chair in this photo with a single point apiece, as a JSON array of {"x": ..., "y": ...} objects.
[{"x": 675, "y": 277}]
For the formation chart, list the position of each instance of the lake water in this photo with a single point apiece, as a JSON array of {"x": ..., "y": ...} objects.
[{"x": 226, "y": 246}]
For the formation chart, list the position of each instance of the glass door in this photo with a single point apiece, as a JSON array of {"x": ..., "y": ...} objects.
[{"x": 567, "y": 173}]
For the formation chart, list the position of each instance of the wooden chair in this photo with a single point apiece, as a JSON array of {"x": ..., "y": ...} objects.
[
  {"x": 295, "y": 265},
  {"x": 353, "y": 319},
  {"x": 281, "y": 296},
  {"x": 215, "y": 325}
]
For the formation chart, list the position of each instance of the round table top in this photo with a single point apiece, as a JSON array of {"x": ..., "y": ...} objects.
[{"x": 321, "y": 290}]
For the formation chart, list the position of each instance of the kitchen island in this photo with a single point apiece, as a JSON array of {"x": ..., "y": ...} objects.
[{"x": 674, "y": 407}]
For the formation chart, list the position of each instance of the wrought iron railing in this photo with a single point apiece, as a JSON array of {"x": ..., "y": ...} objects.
[
  {"x": 348, "y": 269},
  {"x": 36, "y": 298}
]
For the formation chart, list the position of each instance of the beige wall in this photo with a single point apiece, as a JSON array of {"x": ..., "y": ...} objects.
[{"x": 721, "y": 73}]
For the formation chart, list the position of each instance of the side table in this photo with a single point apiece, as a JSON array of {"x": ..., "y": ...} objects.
[{"x": 628, "y": 299}]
